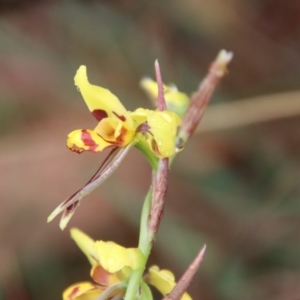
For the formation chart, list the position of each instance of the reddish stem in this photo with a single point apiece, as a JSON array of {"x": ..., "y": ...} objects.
[
  {"x": 161, "y": 102},
  {"x": 186, "y": 279},
  {"x": 201, "y": 98}
]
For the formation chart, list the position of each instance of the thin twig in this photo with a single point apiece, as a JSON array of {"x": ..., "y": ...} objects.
[
  {"x": 161, "y": 102},
  {"x": 160, "y": 186},
  {"x": 186, "y": 279},
  {"x": 202, "y": 96}
]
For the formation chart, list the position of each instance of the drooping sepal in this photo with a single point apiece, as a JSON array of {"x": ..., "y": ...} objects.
[
  {"x": 109, "y": 165},
  {"x": 85, "y": 244}
]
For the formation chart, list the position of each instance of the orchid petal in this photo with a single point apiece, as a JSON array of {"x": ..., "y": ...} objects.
[
  {"x": 114, "y": 131},
  {"x": 163, "y": 127},
  {"x": 113, "y": 257},
  {"x": 86, "y": 140},
  {"x": 164, "y": 281},
  {"x": 101, "y": 102},
  {"x": 82, "y": 291},
  {"x": 85, "y": 244}
]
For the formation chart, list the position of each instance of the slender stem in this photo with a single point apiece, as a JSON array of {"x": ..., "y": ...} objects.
[
  {"x": 144, "y": 246},
  {"x": 160, "y": 185},
  {"x": 144, "y": 219},
  {"x": 145, "y": 241}
]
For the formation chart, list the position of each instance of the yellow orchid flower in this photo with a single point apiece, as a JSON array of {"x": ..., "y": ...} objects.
[
  {"x": 111, "y": 263},
  {"x": 164, "y": 281},
  {"x": 109, "y": 255},
  {"x": 118, "y": 127},
  {"x": 152, "y": 132},
  {"x": 112, "y": 266}
]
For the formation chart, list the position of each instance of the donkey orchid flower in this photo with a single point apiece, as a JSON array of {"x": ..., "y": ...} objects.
[
  {"x": 118, "y": 127},
  {"x": 112, "y": 266},
  {"x": 153, "y": 132}
]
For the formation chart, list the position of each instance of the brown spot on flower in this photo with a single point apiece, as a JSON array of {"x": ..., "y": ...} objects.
[
  {"x": 76, "y": 149},
  {"x": 122, "y": 118},
  {"x": 99, "y": 114},
  {"x": 72, "y": 207}
]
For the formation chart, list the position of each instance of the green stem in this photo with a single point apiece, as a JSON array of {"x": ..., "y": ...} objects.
[
  {"x": 143, "y": 239},
  {"x": 145, "y": 246},
  {"x": 145, "y": 243}
]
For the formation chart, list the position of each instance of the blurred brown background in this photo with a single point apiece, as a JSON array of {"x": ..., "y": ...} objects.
[{"x": 235, "y": 188}]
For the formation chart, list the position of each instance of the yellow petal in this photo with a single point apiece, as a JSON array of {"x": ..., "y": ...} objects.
[
  {"x": 164, "y": 281},
  {"x": 114, "y": 131},
  {"x": 139, "y": 115},
  {"x": 163, "y": 126},
  {"x": 86, "y": 140},
  {"x": 176, "y": 101},
  {"x": 86, "y": 245},
  {"x": 82, "y": 291},
  {"x": 101, "y": 102},
  {"x": 109, "y": 129},
  {"x": 113, "y": 257}
]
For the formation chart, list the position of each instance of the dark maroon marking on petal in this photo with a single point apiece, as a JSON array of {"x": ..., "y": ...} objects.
[
  {"x": 76, "y": 149},
  {"x": 122, "y": 118},
  {"x": 71, "y": 207},
  {"x": 88, "y": 141},
  {"x": 99, "y": 114},
  {"x": 74, "y": 292}
]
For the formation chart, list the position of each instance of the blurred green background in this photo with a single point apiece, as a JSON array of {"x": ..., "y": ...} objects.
[{"x": 235, "y": 188}]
